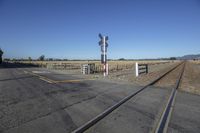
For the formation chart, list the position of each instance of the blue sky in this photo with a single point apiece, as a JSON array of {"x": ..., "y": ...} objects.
[{"x": 70, "y": 28}]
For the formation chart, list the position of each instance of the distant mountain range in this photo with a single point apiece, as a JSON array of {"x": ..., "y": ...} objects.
[{"x": 189, "y": 57}]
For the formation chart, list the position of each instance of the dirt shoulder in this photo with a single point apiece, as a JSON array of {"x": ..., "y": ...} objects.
[{"x": 191, "y": 78}]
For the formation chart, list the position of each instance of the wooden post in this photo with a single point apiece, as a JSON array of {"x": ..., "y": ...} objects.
[{"x": 146, "y": 68}]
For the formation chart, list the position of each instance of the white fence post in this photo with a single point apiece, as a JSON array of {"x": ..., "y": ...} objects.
[
  {"x": 136, "y": 69},
  {"x": 107, "y": 68},
  {"x": 104, "y": 69}
]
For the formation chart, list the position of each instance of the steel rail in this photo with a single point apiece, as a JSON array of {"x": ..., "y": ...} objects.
[
  {"x": 99, "y": 117},
  {"x": 164, "y": 121}
]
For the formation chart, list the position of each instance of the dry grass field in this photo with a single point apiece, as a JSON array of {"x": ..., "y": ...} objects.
[{"x": 113, "y": 65}]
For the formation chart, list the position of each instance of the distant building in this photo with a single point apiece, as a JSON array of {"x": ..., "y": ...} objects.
[{"x": 1, "y": 53}]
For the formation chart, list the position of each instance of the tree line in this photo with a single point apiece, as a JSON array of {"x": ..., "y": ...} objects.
[
  {"x": 1, "y": 54},
  {"x": 40, "y": 58}
]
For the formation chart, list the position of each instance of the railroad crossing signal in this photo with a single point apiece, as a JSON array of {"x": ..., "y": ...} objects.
[{"x": 104, "y": 45}]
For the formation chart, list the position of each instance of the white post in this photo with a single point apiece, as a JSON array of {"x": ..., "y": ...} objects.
[
  {"x": 104, "y": 68},
  {"x": 136, "y": 69},
  {"x": 107, "y": 68}
]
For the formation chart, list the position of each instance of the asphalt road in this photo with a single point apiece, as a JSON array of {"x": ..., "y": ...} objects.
[
  {"x": 31, "y": 103},
  {"x": 35, "y": 100},
  {"x": 139, "y": 115},
  {"x": 186, "y": 114}
]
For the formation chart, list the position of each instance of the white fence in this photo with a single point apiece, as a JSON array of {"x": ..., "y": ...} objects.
[{"x": 140, "y": 69}]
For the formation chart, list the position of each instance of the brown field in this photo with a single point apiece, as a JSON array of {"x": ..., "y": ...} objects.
[
  {"x": 113, "y": 65},
  {"x": 191, "y": 77}
]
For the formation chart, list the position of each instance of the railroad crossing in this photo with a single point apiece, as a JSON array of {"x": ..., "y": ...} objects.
[{"x": 31, "y": 104}]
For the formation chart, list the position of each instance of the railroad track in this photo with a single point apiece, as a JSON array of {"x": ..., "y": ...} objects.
[{"x": 164, "y": 119}]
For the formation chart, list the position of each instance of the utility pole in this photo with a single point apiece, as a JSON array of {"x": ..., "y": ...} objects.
[{"x": 103, "y": 43}]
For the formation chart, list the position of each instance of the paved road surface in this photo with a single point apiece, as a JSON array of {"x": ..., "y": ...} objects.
[
  {"x": 30, "y": 104},
  {"x": 34, "y": 100},
  {"x": 186, "y": 114}
]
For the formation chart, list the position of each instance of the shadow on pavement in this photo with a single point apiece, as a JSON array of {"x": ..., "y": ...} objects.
[
  {"x": 6, "y": 65},
  {"x": 16, "y": 78}
]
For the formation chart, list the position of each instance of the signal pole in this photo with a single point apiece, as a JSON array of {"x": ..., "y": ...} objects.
[
  {"x": 103, "y": 43},
  {"x": 104, "y": 56}
]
